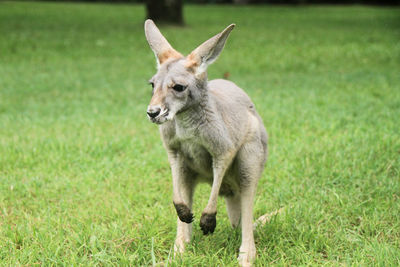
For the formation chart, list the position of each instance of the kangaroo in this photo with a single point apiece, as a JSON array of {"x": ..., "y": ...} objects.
[{"x": 211, "y": 132}]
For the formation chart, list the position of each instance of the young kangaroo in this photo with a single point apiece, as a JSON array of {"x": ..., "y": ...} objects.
[{"x": 212, "y": 133}]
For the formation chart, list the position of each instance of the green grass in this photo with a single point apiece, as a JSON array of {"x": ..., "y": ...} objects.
[{"x": 84, "y": 179}]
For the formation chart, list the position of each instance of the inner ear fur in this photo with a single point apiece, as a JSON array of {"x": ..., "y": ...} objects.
[{"x": 208, "y": 52}]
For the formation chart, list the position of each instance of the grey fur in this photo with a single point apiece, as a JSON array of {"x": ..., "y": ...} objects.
[{"x": 212, "y": 133}]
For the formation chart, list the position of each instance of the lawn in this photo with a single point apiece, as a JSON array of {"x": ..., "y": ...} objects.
[{"x": 84, "y": 179}]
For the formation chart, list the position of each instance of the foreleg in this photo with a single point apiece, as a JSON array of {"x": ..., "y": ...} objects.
[{"x": 208, "y": 220}]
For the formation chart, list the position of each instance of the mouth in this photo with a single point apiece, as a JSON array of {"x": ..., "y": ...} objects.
[
  {"x": 164, "y": 113},
  {"x": 161, "y": 118}
]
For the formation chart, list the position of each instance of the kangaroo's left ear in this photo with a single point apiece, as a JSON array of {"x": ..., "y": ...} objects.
[
  {"x": 160, "y": 46},
  {"x": 208, "y": 51}
]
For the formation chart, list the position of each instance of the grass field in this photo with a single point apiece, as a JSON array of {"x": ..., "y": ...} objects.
[{"x": 84, "y": 179}]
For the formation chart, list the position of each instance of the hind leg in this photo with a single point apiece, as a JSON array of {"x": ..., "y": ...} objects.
[
  {"x": 251, "y": 160},
  {"x": 234, "y": 209},
  {"x": 247, "y": 252}
]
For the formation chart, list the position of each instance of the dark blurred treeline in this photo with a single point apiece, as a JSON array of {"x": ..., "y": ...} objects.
[{"x": 285, "y": 2}]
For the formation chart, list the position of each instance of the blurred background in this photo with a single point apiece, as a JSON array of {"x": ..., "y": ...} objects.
[
  {"x": 84, "y": 179},
  {"x": 171, "y": 10}
]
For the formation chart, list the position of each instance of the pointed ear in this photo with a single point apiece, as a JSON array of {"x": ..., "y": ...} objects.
[
  {"x": 208, "y": 51},
  {"x": 160, "y": 46}
]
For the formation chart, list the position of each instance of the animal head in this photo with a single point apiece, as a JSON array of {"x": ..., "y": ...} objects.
[{"x": 180, "y": 81}]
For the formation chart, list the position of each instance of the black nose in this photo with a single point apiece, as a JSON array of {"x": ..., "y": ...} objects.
[{"x": 153, "y": 112}]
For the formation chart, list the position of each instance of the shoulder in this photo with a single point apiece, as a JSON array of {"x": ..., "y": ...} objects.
[
  {"x": 221, "y": 83},
  {"x": 227, "y": 91}
]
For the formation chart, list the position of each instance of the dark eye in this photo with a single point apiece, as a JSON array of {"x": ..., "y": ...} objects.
[
  {"x": 152, "y": 85},
  {"x": 179, "y": 87}
]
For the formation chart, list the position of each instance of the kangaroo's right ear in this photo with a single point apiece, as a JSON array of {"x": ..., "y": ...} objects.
[
  {"x": 208, "y": 51},
  {"x": 160, "y": 46}
]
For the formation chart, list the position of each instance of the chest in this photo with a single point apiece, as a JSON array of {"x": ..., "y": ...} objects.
[
  {"x": 190, "y": 143},
  {"x": 196, "y": 157}
]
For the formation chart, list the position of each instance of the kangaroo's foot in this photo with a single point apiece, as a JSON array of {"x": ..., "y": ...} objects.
[{"x": 247, "y": 254}]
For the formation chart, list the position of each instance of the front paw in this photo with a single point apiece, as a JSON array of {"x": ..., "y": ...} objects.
[
  {"x": 184, "y": 213},
  {"x": 208, "y": 222}
]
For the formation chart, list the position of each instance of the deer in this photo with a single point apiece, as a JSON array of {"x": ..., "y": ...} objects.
[{"x": 211, "y": 132}]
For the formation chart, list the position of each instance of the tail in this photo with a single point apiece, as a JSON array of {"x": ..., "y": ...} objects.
[{"x": 261, "y": 221}]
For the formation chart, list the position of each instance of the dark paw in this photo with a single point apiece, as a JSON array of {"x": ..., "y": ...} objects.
[
  {"x": 184, "y": 213},
  {"x": 208, "y": 222}
]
